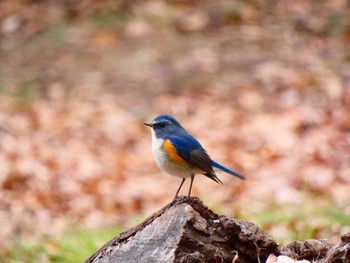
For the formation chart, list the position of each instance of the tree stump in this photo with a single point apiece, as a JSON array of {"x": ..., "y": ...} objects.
[
  {"x": 319, "y": 251},
  {"x": 187, "y": 231}
]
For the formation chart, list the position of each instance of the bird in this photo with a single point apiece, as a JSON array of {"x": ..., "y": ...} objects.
[{"x": 178, "y": 153}]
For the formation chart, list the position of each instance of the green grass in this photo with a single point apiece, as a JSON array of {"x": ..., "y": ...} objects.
[
  {"x": 110, "y": 19},
  {"x": 2, "y": 86},
  {"x": 313, "y": 219},
  {"x": 24, "y": 94},
  {"x": 71, "y": 247}
]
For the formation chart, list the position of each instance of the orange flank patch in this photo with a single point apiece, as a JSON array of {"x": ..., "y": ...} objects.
[{"x": 170, "y": 149}]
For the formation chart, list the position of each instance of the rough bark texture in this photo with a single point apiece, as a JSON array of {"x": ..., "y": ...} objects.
[
  {"x": 319, "y": 251},
  {"x": 187, "y": 231}
]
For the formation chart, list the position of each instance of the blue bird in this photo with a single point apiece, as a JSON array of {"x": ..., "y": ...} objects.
[{"x": 180, "y": 154}]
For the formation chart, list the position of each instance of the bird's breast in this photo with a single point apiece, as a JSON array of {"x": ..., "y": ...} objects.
[
  {"x": 170, "y": 149},
  {"x": 167, "y": 158}
]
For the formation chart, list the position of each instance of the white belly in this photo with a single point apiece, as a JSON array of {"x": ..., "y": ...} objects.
[{"x": 164, "y": 162}]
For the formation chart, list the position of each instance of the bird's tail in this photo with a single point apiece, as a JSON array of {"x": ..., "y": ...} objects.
[{"x": 227, "y": 170}]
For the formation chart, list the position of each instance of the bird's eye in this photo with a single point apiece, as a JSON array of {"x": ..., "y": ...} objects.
[{"x": 161, "y": 125}]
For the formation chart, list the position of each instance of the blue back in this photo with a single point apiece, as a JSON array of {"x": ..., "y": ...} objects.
[{"x": 187, "y": 147}]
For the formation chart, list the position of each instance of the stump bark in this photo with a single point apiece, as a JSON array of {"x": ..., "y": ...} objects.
[
  {"x": 319, "y": 251},
  {"x": 187, "y": 231}
]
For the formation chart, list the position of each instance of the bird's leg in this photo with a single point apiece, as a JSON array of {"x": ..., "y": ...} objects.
[
  {"x": 178, "y": 190},
  {"x": 192, "y": 178}
]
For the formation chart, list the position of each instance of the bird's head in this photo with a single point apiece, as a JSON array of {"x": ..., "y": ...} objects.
[{"x": 163, "y": 125}]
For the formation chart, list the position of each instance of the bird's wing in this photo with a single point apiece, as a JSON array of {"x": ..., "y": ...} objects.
[{"x": 192, "y": 151}]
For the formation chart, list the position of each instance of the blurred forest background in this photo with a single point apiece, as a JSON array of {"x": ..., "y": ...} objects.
[{"x": 263, "y": 85}]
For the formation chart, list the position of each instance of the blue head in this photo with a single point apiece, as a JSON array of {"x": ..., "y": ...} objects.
[{"x": 164, "y": 125}]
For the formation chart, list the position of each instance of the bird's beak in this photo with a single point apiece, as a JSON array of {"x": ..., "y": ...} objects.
[{"x": 148, "y": 124}]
